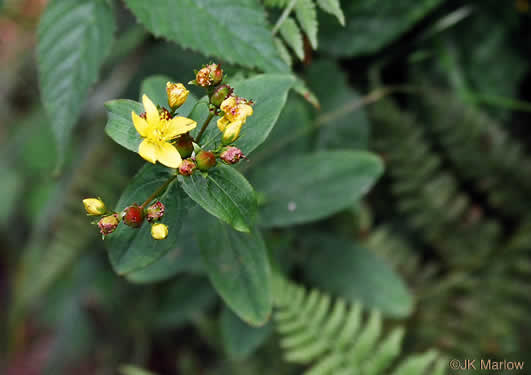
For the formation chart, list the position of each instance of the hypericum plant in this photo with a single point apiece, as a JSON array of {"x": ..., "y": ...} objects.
[{"x": 166, "y": 139}]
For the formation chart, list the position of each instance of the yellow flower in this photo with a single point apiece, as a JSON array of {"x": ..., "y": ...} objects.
[
  {"x": 177, "y": 94},
  {"x": 236, "y": 110},
  {"x": 159, "y": 231},
  {"x": 94, "y": 206},
  {"x": 158, "y": 133}
]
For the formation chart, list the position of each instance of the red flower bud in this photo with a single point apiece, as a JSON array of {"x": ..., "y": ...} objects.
[
  {"x": 108, "y": 224},
  {"x": 205, "y": 160},
  {"x": 155, "y": 211},
  {"x": 133, "y": 216},
  {"x": 231, "y": 155},
  {"x": 216, "y": 73},
  {"x": 184, "y": 145},
  {"x": 187, "y": 167}
]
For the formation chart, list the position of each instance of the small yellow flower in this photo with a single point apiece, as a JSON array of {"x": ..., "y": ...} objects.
[
  {"x": 159, "y": 231},
  {"x": 158, "y": 133},
  {"x": 177, "y": 94},
  {"x": 94, "y": 206},
  {"x": 236, "y": 110}
]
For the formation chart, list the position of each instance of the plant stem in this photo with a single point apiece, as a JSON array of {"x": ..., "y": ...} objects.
[
  {"x": 203, "y": 128},
  {"x": 158, "y": 191},
  {"x": 284, "y": 15}
]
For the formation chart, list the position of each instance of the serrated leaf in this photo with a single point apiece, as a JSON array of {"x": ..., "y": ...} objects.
[
  {"x": 292, "y": 35},
  {"x": 371, "y": 25},
  {"x": 241, "y": 340},
  {"x": 307, "y": 17},
  {"x": 313, "y": 186},
  {"x": 332, "y": 7},
  {"x": 131, "y": 249},
  {"x": 356, "y": 274},
  {"x": 235, "y": 30},
  {"x": 269, "y": 93},
  {"x": 74, "y": 37},
  {"x": 224, "y": 193},
  {"x": 239, "y": 270}
]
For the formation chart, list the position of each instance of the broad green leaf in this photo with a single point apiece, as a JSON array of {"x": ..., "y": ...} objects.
[
  {"x": 241, "y": 340},
  {"x": 333, "y": 7},
  {"x": 269, "y": 92},
  {"x": 371, "y": 25},
  {"x": 186, "y": 298},
  {"x": 185, "y": 257},
  {"x": 356, "y": 274},
  {"x": 131, "y": 249},
  {"x": 307, "y": 17},
  {"x": 239, "y": 269},
  {"x": 314, "y": 186},
  {"x": 293, "y": 37},
  {"x": 341, "y": 122},
  {"x": 155, "y": 88},
  {"x": 120, "y": 124},
  {"x": 224, "y": 193},
  {"x": 74, "y": 37},
  {"x": 235, "y": 30}
]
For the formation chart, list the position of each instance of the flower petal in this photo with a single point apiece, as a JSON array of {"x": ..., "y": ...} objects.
[
  {"x": 177, "y": 126},
  {"x": 168, "y": 155},
  {"x": 152, "y": 113},
  {"x": 245, "y": 110},
  {"x": 141, "y": 125},
  {"x": 148, "y": 150},
  {"x": 222, "y": 123}
]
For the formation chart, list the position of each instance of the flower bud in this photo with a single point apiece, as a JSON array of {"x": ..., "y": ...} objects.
[
  {"x": 205, "y": 160},
  {"x": 202, "y": 78},
  {"x": 231, "y": 155},
  {"x": 133, "y": 216},
  {"x": 177, "y": 94},
  {"x": 216, "y": 73},
  {"x": 155, "y": 211},
  {"x": 187, "y": 167},
  {"x": 159, "y": 231},
  {"x": 94, "y": 206},
  {"x": 231, "y": 132},
  {"x": 184, "y": 144},
  {"x": 220, "y": 94},
  {"x": 108, "y": 224}
]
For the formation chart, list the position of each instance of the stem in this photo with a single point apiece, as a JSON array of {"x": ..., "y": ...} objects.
[
  {"x": 284, "y": 15},
  {"x": 158, "y": 191},
  {"x": 203, "y": 128}
]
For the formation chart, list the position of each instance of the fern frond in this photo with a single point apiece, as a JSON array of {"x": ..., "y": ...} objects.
[
  {"x": 334, "y": 8},
  {"x": 283, "y": 51},
  {"x": 482, "y": 151},
  {"x": 333, "y": 338},
  {"x": 307, "y": 16},
  {"x": 429, "y": 196},
  {"x": 292, "y": 35}
]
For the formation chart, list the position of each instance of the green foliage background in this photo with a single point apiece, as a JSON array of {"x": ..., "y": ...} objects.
[{"x": 380, "y": 225}]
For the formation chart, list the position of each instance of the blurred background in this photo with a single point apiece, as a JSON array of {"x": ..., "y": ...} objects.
[{"x": 440, "y": 89}]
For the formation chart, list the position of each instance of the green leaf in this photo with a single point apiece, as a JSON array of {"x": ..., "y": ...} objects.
[
  {"x": 235, "y": 30},
  {"x": 314, "y": 186},
  {"x": 131, "y": 249},
  {"x": 155, "y": 88},
  {"x": 186, "y": 298},
  {"x": 283, "y": 51},
  {"x": 333, "y": 7},
  {"x": 134, "y": 370},
  {"x": 239, "y": 270},
  {"x": 371, "y": 25},
  {"x": 120, "y": 124},
  {"x": 269, "y": 92},
  {"x": 241, "y": 340},
  {"x": 74, "y": 37},
  {"x": 224, "y": 193},
  {"x": 356, "y": 274},
  {"x": 307, "y": 17},
  {"x": 185, "y": 257},
  {"x": 342, "y": 123},
  {"x": 292, "y": 35}
]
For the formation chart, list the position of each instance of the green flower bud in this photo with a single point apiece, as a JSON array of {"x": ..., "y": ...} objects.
[
  {"x": 205, "y": 160},
  {"x": 220, "y": 94},
  {"x": 184, "y": 144}
]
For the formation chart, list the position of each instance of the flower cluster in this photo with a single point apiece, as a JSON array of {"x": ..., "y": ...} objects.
[{"x": 166, "y": 139}]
